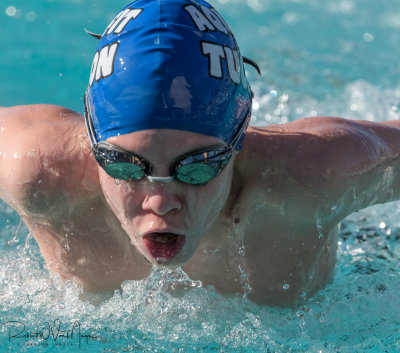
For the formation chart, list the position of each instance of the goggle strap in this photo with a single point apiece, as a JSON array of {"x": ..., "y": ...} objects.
[
  {"x": 245, "y": 60},
  {"x": 89, "y": 123},
  {"x": 242, "y": 127}
]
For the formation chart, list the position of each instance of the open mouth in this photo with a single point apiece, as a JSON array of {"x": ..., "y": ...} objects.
[{"x": 164, "y": 246}]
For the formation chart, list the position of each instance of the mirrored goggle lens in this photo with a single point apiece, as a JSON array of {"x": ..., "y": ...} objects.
[
  {"x": 197, "y": 173},
  {"x": 124, "y": 171}
]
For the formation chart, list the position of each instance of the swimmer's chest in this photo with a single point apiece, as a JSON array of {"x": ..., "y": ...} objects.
[{"x": 274, "y": 258}]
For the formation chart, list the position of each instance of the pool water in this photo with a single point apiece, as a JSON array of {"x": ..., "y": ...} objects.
[{"x": 318, "y": 57}]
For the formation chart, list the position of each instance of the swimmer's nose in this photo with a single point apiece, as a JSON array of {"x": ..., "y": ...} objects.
[{"x": 161, "y": 203}]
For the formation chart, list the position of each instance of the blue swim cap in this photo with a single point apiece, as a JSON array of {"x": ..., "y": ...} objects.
[{"x": 168, "y": 64}]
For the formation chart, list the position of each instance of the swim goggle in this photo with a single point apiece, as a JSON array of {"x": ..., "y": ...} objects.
[{"x": 196, "y": 168}]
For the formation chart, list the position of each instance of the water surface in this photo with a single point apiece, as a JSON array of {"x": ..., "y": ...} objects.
[{"x": 318, "y": 57}]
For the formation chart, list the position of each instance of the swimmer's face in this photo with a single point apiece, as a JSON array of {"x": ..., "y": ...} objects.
[{"x": 166, "y": 221}]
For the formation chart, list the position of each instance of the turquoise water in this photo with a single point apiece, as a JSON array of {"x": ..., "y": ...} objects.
[{"x": 318, "y": 57}]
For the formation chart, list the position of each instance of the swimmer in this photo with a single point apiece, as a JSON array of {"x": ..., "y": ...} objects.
[{"x": 163, "y": 169}]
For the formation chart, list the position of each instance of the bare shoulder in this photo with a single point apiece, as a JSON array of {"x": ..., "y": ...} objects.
[
  {"x": 296, "y": 148},
  {"x": 36, "y": 111},
  {"x": 43, "y": 150},
  {"x": 333, "y": 146},
  {"x": 323, "y": 162}
]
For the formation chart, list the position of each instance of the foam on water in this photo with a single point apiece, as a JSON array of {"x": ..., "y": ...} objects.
[{"x": 359, "y": 100}]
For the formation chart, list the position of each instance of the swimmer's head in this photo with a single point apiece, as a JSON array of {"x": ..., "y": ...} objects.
[{"x": 169, "y": 64}]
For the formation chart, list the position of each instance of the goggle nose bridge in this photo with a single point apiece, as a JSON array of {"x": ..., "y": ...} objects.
[{"x": 160, "y": 179}]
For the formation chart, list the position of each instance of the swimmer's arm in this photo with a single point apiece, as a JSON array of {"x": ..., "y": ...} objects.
[
  {"x": 33, "y": 143},
  {"x": 15, "y": 172},
  {"x": 330, "y": 165},
  {"x": 364, "y": 158}
]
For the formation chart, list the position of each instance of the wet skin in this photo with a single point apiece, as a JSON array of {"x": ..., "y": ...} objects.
[{"x": 273, "y": 212}]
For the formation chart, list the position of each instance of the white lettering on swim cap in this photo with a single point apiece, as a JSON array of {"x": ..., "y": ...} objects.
[
  {"x": 215, "y": 20},
  {"x": 215, "y": 54},
  {"x": 94, "y": 67},
  {"x": 216, "y": 13},
  {"x": 103, "y": 63},
  {"x": 206, "y": 18},
  {"x": 118, "y": 24},
  {"x": 199, "y": 19},
  {"x": 232, "y": 57}
]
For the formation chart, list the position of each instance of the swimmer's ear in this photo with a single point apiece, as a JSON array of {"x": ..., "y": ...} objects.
[
  {"x": 252, "y": 63},
  {"x": 97, "y": 36}
]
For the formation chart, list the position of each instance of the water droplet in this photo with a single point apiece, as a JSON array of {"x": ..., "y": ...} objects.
[
  {"x": 118, "y": 181},
  {"x": 66, "y": 227},
  {"x": 284, "y": 98},
  {"x": 320, "y": 231},
  {"x": 286, "y": 286},
  {"x": 368, "y": 37},
  {"x": 11, "y": 11},
  {"x": 333, "y": 210},
  {"x": 66, "y": 246}
]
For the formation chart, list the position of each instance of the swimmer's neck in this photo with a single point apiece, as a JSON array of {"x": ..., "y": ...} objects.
[{"x": 230, "y": 211}]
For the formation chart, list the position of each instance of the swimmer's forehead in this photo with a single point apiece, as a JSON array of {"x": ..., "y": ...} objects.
[{"x": 165, "y": 142}]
